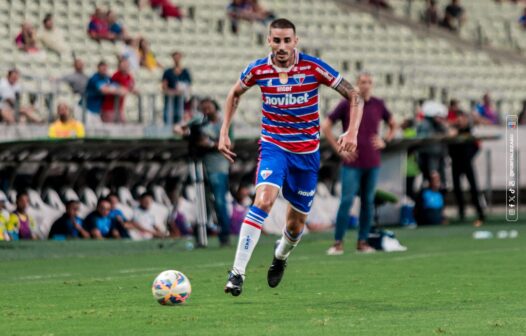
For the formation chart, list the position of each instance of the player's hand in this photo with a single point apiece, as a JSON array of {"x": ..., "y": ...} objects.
[
  {"x": 224, "y": 146},
  {"x": 347, "y": 142},
  {"x": 348, "y": 156},
  {"x": 378, "y": 142}
]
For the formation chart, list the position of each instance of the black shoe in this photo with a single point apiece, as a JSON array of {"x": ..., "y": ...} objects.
[
  {"x": 275, "y": 272},
  {"x": 234, "y": 284}
]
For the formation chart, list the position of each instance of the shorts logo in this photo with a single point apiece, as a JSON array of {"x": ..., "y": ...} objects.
[
  {"x": 266, "y": 173},
  {"x": 306, "y": 193}
]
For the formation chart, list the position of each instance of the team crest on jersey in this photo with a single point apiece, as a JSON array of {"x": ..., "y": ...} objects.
[
  {"x": 266, "y": 173},
  {"x": 299, "y": 78}
]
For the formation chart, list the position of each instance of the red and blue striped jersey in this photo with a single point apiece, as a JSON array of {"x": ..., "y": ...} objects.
[{"x": 290, "y": 100}]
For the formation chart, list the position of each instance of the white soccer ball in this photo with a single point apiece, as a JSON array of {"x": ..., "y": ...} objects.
[{"x": 171, "y": 288}]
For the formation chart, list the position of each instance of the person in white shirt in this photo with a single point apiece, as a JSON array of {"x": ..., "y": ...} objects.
[
  {"x": 144, "y": 223},
  {"x": 51, "y": 37},
  {"x": 9, "y": 94}
]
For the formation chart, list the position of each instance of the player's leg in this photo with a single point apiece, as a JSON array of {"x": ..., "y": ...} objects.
[
  {"x": 298, "y": 189},
  {"x": 350, "y": 181},
  {"x": 270, "y": 173},
  {"x": 367, "y": 193}
]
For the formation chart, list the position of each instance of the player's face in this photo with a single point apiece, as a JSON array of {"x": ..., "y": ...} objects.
[
  {"x": 282, "y": 42},
  {"x": 365, "y": 84}
]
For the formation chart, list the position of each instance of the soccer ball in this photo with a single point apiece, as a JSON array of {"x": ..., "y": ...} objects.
[{"x": 171, "y": 288}]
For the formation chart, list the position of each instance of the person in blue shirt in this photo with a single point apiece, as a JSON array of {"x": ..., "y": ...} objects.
[
  {"x": 176, "y": 83},
  {"x": 99, "y": 223},
  {"x": 429, "y": 207},
  {"x": 69, "y": 225},
  {"x": 117, "y": 216},
  {"x": 99, "y": 85}
]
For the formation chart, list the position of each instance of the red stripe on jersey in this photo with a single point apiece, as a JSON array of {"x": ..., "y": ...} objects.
[
  {"x": 296, "y": 147},
  {"x": 290, "y": 118},
  {"x": 248, "y": 222},
  {"x": 287, "y": 130}
]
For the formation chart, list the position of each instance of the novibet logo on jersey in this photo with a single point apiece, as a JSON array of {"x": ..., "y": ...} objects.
[{"x": 288, "y": 99}]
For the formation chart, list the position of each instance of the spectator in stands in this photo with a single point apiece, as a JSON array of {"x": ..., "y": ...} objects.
[
  {"x": 146, "y": 56},
  {"x": 99, "y": 85},
  {"x": 453, "y": 111},
  {"x": 486, "y": 113},
  {"x": 176, "y": 84},
  {"x": 167, "y": 9},
  {"x": 77, "y": 80},
  {"x": 412, "y": 171},
  {"x": 144, "y": 223},
  {"x": 462, "y": 155},
  {"x": 454, "y": 16},
  {"x": 10, "y": 97},
  {"x": 248, "y": 10},
  {"x": 430, "y": 15},
  {"x": 4, "y": 218},
  {"x": 429, "y": 206},
  {"x": 123, "y": 79},
  {"x": 51, "y": 37},
  {"x": 99, "y": 224},
  {"x": 115, "y": 28},
  {"x": 260, "y": 13},
  {"x": 362, "y": 167},
  {"x": 98, "y": 28},
  {"x": 522, "y": 19},
  {"x": 384, "y": 4},
  {"x": 69, "y": 225},
  {"x": 65, "y": 126},
  {"x": 432, "y": 157},
  {"x": 131, "y": 53},
  {"x": 20, "y": 224},
  {"x": 117, "y": 216},
  {"x": 26, "y": 39}
]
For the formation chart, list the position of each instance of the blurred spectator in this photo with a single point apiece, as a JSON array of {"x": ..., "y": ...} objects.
[
  {"x": 486, "y": 113},
  {"x": 99, "y": 85},
  {"x": 144, "y": 224},
  {"x": 26, "y": 39},
  {"x": 249, "y": 10},
  {"x": 20, "y": 224},
  {"x": 146, "y": 56},
  {"x": 452, "y": 111},
  {"x": 240, "y": 205},
  {"x": 65, "y": 126},
  {"x": 176, "y": 84},
  {"x": 384, "y": 4},
  {"x": 123, "y": 79},
  {"x": 117, "y": 216},
  {"x": 522, "y": 114},
  {"x": 131, "y": 53},
  {"x": 4, "y": 218},
  {"x": 69, "y": 225},
  {"x": 412, "y": 171},
  {"x": 98, "y": 28},
  {"x": 77, "y": 80},
  {"x": 522, "y": 19},
  {"x": 10, "y": 98},
  {"x": 51, "y": 37},
  {"x": 432, "y": 157},
  {"x": 116, "y": 29},
  {"x": 430, "y": 14},
  {"x": 454, "y": 16},
  {"x": 429, "y": 206},
  {"x": 167, "y": 9},
  {"x": 462, "y": 155},
  {"x": 99, "y": 224}
]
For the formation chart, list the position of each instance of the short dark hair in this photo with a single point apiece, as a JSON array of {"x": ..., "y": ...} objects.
[
  {"x": 283, "y": 24},
  {"x": 71, "y": 202},
  {"x": 102, "y": 62},
  {"x": 48, "y": 17},
  {"x": 21, "y": 194},
  {"x": 102, "y": 199},
  {"x": 146, "y": 194},
  {"x": 112, "y": 194},
  {"x": 12, "y": 71}
]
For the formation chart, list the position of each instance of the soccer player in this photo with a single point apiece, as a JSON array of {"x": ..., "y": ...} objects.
[{"x": 289, "y": 158}]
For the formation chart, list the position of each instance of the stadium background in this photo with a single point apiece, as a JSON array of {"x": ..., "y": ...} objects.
[{"x": 409, "y": 61}]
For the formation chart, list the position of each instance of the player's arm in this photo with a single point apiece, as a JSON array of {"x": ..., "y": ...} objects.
[
  {"x": 232, "y": 101},
  {"x": 348, "y": 140}
]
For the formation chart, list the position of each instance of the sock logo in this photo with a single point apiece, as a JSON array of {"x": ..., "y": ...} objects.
[
  {"x": 247, "y": 242},
  {"x": 266, "y": 173}
]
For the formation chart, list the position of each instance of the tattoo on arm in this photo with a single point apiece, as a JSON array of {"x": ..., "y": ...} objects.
[{"x": 348, "y": 91}]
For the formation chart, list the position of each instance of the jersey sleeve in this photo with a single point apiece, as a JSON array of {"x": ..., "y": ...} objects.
[
  {"x": 326, "y": 74},
  {"x": 247, "y": 77}
]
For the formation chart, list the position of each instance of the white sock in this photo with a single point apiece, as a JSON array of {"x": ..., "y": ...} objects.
[
  {"x": 248, "y": 238},
  {"x": 286, "y": 244}
]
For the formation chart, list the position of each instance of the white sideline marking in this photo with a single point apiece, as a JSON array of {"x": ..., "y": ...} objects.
[{"x": 44, "y": 276}]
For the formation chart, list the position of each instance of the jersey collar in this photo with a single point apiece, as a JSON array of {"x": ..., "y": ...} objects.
[{"x": 278, "y": 69}]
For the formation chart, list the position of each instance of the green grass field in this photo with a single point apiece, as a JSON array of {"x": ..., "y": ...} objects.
[{"x": 446, "y": 284}]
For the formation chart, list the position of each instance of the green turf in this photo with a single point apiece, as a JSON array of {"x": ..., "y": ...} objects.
[{"x": 446, "y": 284}]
